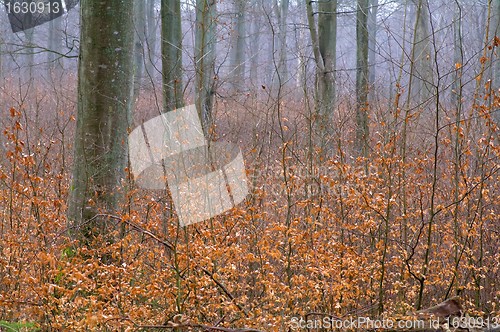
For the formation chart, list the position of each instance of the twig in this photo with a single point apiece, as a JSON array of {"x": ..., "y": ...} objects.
[{"x": 172, "y": 325}]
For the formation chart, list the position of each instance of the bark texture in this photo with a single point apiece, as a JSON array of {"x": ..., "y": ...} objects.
[
  {"x": 237, "y": 73},
  {"x": 422, "y": 89},
  {"x": 205, "y": 42},
  {"x": 54, "y": 60},
  {"x": 105, "y": 88},
  {"x": 362, "y": 87},
  {"x": 324, "y": 42},
  {"x": 171, "y": 46}
]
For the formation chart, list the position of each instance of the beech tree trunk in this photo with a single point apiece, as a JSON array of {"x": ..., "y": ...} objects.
[
  {"x": 30, "y": 55},
  {"x": 55, "y": 42},
  {"x": 140, "y": 41},
  {"x": 282, "y": 14},
  {"x": 205, "y": 41},
  {"x": 254, "y": 41},
  {"x": 372, "y": 40},
  {"x": 324, "y": 40},
  {"x": 327, "y": 39},
  {"x": 151, "y": 40},
  {"x": 171, "y": 47},
  {"x": 422, "y": 88},
  {"x": 105, "y": 88},
  {"x": 238, "y": 51},
  {"x": 1, "y": 56},
  {"x": 495, "y": 32},
  {"x": 362, "y": 88}
]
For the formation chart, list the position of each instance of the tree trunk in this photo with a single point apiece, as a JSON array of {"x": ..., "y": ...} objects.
[
  {"x": 237, "y": 72},
  {"x": 30, "y": 55},
  {"x": 456, "y": 95},
  {"x": 255, "y": 45},
  {"x": 324, "y": 41},
  {"x": 458, "y": 58},
  {"x": 372, "y": 41},
  {"x": 204, "y": 58},
  {"x": 327, "y": 40},
  {"x": 105, "y": 88},
  {"x": 422, "y": 57},
  {"x": 302, "y": 41},
  {"x": 495, "y": 32},
  {"x": 55, "y": 41},
  {"x": 171, "y": 47},
  {"x": 140, "y": 41},
  {"x": 282, "y": 14},
  {"x": 1, "y": 56},
  {"x": 151, "y": 40},
  {"x": 362, "y": 107}
]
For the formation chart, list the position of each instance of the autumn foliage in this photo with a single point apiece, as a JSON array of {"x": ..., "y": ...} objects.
[{"x": 321, "y": 232}]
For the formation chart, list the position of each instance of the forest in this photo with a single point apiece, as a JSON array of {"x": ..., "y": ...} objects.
[{"x": 250, "y": 165}]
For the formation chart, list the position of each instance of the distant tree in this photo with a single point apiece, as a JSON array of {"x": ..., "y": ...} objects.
[
  {"x": 151, "y": 39},
  {"x": 105, "y": 87},
  {"x": 327, "y": 42},
  {"x": 140, "y": 41},
  {"x": 238, "y": 50},
  {"x": 1, "y": 56},
  {"x": 254, "y": 41},
  {"x": 362, "y": 88},
  {"x": 30, "y": 54},
  {"x": 324, "y": 41},
  {"x": 457, "y": 94},
  {"x": 282, "y": 14},
  {"x": 171, "y": 48},
  {"x": 458, "y": 57},
  {"x": 372, "y": 40},
  {"x": 205, "y": 42},
  {"x": 422, "y": 61},
  {"x": 54, "y": 44},
  {"x": 495, "y": 34}
]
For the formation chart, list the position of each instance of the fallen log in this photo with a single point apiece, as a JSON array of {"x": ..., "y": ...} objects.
[{"x": 450, "y": 307}]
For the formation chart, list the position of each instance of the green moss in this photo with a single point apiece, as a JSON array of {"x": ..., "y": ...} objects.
[{"x": 18, "y": 326}]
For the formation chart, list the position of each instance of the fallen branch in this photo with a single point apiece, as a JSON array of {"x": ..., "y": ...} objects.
[{"x": 181, "y": 322}]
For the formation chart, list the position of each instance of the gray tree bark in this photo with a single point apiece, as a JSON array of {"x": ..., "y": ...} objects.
[
  {"x": 237, "y": 71},
  {"x": 140, "y": 41},
  {"x": 1, "y": 57},
  {"x": 301, "y": 42},
  {"x": 282, "y": 15},
  {"x": 495, "y": 32},
  {"x": 372, "y": 40},
  {"x": 255, "y": 44},
  {"x": 171, "y": 47},
  {"x": 105, "y": 90},
  {"x": 30, "y": 55},
  {"x": 54, "y": 60},
  {"x": 205, "y": 41},
  {"x": 327, "y": 40},
  {"x": 324, "y": 41},
  {"x": 458, "y": 59},
  {"x": 151, "y": 40},
  {"x": 422, "y": 60},
  {"x": 362, "y": 87}
]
